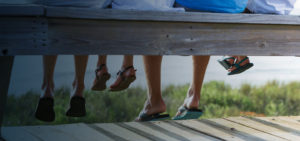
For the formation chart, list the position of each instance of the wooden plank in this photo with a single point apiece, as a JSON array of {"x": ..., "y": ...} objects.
[
  {"x": 112, "y": 14},
  {"x": 19, "y": 35},
  {"x": 285, "y": 125},
  {"x": 81, "y": 132},
  {"x": 142, "y": 129},
  {"x": 19, "y": 134},
  {"x": 263, "y": 128},
  {"x": 166, "y": 38},
  {"x": 181, "y": 130},
  {"x": 75, "y": 132},
  {"x": 209, "y": 130},
  {"x": 122, "y": 132},
  {"x": 21, "y": 10},
  {"x": 237, "y": 127},
  {"x": 6, "y": 64}
]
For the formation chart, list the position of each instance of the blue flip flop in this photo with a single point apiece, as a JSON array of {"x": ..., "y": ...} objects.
[
  {"x": 188, "y": 113},
  {"x": 154, "y": 117}
]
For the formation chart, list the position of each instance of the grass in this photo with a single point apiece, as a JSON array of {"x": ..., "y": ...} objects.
[{"x": 217, "y": 100}]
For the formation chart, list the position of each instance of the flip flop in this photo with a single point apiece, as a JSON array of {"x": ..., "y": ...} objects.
[
  {"x": 126, "y": 81},
  {"x": 44, "y": 110},
  {"x": 154, "y": 117},
  {"x": 239, "y": 69},
  {"x": 188, "y": 113},
  {"x": 225, "y": 63},
  {"x": 100, "y": 83},
  {"x": 77, "y": 107}
]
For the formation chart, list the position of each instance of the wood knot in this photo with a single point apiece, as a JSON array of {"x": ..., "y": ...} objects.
[
  {"x": 263, "y": 45},
  {"x": 232, "y": 129}
]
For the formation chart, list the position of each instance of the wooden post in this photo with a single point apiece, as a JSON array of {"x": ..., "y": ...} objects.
[{"x": 6, "y": 63}]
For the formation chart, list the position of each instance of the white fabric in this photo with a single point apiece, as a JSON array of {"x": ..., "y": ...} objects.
[
  {"x": 146, "y": 5},
  {"x": 283, "y": 7},
  {"x": 76, "y": 3}
]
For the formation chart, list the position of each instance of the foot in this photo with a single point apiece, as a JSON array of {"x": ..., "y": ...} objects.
[
  {"x": 102, "y": 76},
  {"x": 154, "y": 108},
  {"x": 191, "y": 101},
  {"x": 238, "y": 60},
  {"x": 77, "y": 107},
  {"x": 45, "y": 109},
  {"x": 125, "y": 77}
]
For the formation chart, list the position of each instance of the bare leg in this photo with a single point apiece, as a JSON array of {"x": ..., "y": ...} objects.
[
  {"x": 80, "y": 68},
  {"x": 48, "y": 83},
  {"x": 127, "y": 62},
  {"x": 154, "y": 103},
  {"x": 193, "y": 95},
  {"x": 102, "y": 60}
]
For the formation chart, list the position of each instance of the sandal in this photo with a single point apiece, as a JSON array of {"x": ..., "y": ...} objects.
[
  {"x": 77, "y": 107},
  {"x": 239, "y": 69},
  {"x": 154, "y": 117},
  {"x": 126, "y": 81},
  {"x": 100, "y": 83},
  {"x": 226, "y": 63},
  {"x": 186, "y": 113},
  {"x": 44, "y": 110}
]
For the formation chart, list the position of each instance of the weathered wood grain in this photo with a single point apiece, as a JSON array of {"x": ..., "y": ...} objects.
[
  {"x": 20, "y": 34},
  {"x": 189, "y": 134},
  {"x": 263, "y": 128},
  {"x": 202, "y": 17},
  {"x": 6, "y": 63},
  {"x": 237, "y": 127},
  {"x": 209, "y": 130},
  {"x": 21, "y": 10},
  {"x": 120, "y": 131},
  {"x": 167, "y": 38}
]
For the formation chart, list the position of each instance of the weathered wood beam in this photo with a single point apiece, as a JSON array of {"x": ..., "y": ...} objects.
[
  {"x": 71, "y": 36},
  {"x": 6, "y": 63},
  {"x": 23, "y": 35},
  {"x": 199, "y": 17},
  {"x": 21, "y": 10}
]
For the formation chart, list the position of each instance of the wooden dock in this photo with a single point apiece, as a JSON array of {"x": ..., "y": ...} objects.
[{"x": 233, "y": 128}]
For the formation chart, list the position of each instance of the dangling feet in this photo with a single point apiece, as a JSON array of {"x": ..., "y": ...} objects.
[
  {"x": 152, "y": 112},
  {"x": 189, "y": 108},
  {"x": 125, "y": 77},
  {"x": 77, "y": 102},
  {"x": 101, "y": 77},
  {"x": 45, "y": 108},
  {"x": 236, "y": 64}
]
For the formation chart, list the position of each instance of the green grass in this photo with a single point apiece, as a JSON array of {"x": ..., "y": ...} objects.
[{"x": 217, "y": 100}]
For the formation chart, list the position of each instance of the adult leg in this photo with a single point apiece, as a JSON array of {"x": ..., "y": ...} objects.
[
  {"x": 154, "y": 103},
  {"x": 80, "y": 68},
  {"x": 45, "y": 111},
  {"x": 193, "y": 95},
  {"x": 77, "y": 103},
  {"x": 102, "y": 74},
  {"x": 126, "y": 76},
  {"x": 6, "y": 63},
  {"x": 49, "y": 63}
]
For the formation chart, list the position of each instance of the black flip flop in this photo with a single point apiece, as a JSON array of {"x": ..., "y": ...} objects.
[
  {"x": 126, "y": 81},
  {"x": 225, "y": 63},
  {"x": 77, "y": 107},
  {"x": 154, "y": 117},
  {"x": 100, "y": 84},
  {"x": 44, "y": 110},
  {"x": 239, "y": 69}
]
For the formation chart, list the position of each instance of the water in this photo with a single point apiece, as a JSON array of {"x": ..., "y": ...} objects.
[{"x": 177, "y": 70}]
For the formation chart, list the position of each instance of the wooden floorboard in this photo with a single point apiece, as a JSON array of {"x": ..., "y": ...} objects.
[{"x": 232, "y": 128}]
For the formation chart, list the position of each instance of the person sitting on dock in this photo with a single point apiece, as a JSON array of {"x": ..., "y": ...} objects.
[
  {"x": 45, "y": 111},
  {"x": 154, "y": 105}
]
